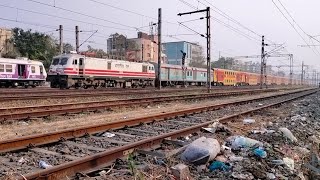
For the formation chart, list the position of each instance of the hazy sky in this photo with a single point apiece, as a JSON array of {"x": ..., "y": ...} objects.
[{"x": 260, "y": 16}]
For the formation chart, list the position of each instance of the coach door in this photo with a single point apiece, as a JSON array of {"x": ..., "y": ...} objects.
[
  {"x": 75, "y": 66},
  {"x": 81, "y": 66},
  {"x": 22, "y": 71}
]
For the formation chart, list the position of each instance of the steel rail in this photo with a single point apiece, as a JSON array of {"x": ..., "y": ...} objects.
[
  {"x": 60, "y": 109},
  {"x": 103, "y": 159},
  {"x": 89, "y": 94},
  {"x": 46, "y": 138}
]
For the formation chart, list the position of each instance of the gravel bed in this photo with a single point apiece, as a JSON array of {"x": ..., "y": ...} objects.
[{"x": 145, "y": 131}]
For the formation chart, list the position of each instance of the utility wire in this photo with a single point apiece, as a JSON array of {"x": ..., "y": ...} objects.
[
  {"x": 292, "y": 25},
  {"x": 82, "y": 14},
  {"x": 225, "y": 15},
  {"x": 202, "y": 35},
  {"x": 65, "y": 18},
  {"x": 295, "y": 22},
  {"x": 129, "y": 11}
]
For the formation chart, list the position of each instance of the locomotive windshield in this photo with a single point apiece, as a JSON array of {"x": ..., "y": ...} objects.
[{"x": 60, "y": 61}]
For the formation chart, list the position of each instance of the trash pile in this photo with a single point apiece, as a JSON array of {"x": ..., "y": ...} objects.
[{"x": 283, "y": 149}]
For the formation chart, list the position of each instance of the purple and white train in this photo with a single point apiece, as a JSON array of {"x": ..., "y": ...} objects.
[{"x": 21, "y": 72}]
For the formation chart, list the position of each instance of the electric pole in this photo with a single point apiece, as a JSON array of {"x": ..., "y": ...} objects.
[
  {"x": 77, "y": 39},
  {"x": 262, "y": 63},
  {"x": 291, "y": 68},
  {"x": 159, "y": 48},
  {"x": 208, "y": 37},
  {"x": 61, "y": 38},
  {"x": 302, "y": 71}
]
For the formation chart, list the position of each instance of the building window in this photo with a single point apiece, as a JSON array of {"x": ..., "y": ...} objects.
[
  {"x": 33, "y": 69},
  {"x": 149, "y": 55},
  {"x": 1, "y": 68},
  {"x": 8, "y": 68}
]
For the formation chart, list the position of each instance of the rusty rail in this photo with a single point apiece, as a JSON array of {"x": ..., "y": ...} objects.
[
  {"x": 40, "y": 139},
  {"x": 88, "y": 93},
  {"x": 60, "y": 109},
  {"x": 104, "y": 158}
]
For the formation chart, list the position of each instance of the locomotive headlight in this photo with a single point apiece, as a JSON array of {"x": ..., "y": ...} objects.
[{"x": 60, "y": 70}]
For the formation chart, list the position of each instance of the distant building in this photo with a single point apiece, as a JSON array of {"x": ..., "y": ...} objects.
[
  {"x": 174, "y": 55},
  {"x": 5, "y": 36},
  {"x": 142, "y": 48}
]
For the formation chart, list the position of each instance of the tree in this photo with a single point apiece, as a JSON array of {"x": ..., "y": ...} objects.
[
  {"x": 224, "y": 63},
  {"x": 99, "y": 53},
  {"x": 67, "y": 47},
  {"x": 35, "y": 45}
]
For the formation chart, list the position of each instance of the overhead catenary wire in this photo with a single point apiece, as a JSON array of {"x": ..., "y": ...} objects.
[
  {"x": 82, "y": 14},
  {"x": 228, "y": 17},
  {"x": 65, "y": 18},
  {"x": 292, "y": 25}
]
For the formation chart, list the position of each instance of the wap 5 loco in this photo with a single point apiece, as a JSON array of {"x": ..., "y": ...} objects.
[
  {"x": 79, "y": 71},
  {"x": 21, "y": 72}
]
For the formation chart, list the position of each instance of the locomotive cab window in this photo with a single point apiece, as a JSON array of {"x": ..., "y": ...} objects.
[
  {"x": 8, "y": 68},
  {"x": 63, "y": 61},
  {"x": 1, "y": 68},
  {"x": 33, "y": 69}
]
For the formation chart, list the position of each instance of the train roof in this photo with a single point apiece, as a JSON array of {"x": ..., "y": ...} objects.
[
  {"x": 105, "y": 59},
  {"x": 20, "y": 61}
]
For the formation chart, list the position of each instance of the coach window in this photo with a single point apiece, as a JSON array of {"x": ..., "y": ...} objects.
[
  {"x": 8, "y": 68},
  {"x": 81, "y": 61},
  {"x": 33, "y": 69},
  {"x": 204, "y": 74},
  {"x": 1, "y": 68}
]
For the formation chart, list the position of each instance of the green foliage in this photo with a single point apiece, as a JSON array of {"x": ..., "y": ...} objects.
[
  {"x": 100, "y": 53},
  {"x": 132, "y": 165},
  {"x": 35, "y": 45},
  {"x": 224, "y": 63}
]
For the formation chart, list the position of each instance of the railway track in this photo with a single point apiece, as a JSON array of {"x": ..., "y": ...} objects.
[
  {"x": 28, "y": 112},
  {"x": 50, "y": 90},
  {"x": 85, "y": 94},
  {"x": 35, "y": 93},
  {"x": 87, "y": 149}
]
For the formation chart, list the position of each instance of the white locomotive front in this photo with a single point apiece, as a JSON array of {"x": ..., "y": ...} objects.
[{"x": 79, "y": 71}]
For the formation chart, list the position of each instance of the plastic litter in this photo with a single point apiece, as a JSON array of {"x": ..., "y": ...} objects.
[
  {"x": 263, "y": 131},
  {"x": 235, "y": 158},
  {"x": 238, "y": 142},
  {"x": 249, "y": 121},
  {"x": 271, "y": 176},
  {"x": 260, "y": 152},
  {"x": 21, "y": 161},
  {"x": 277, "y": 162},
  {"x": 288, "y": 134},
  {"x": 109, "y": 135},
  {"x": 289, "y": 163},
  {"x": 218, "y": 165},
  {"x": 201, "y": 151},
  {"x": 44, "y": 165}
]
